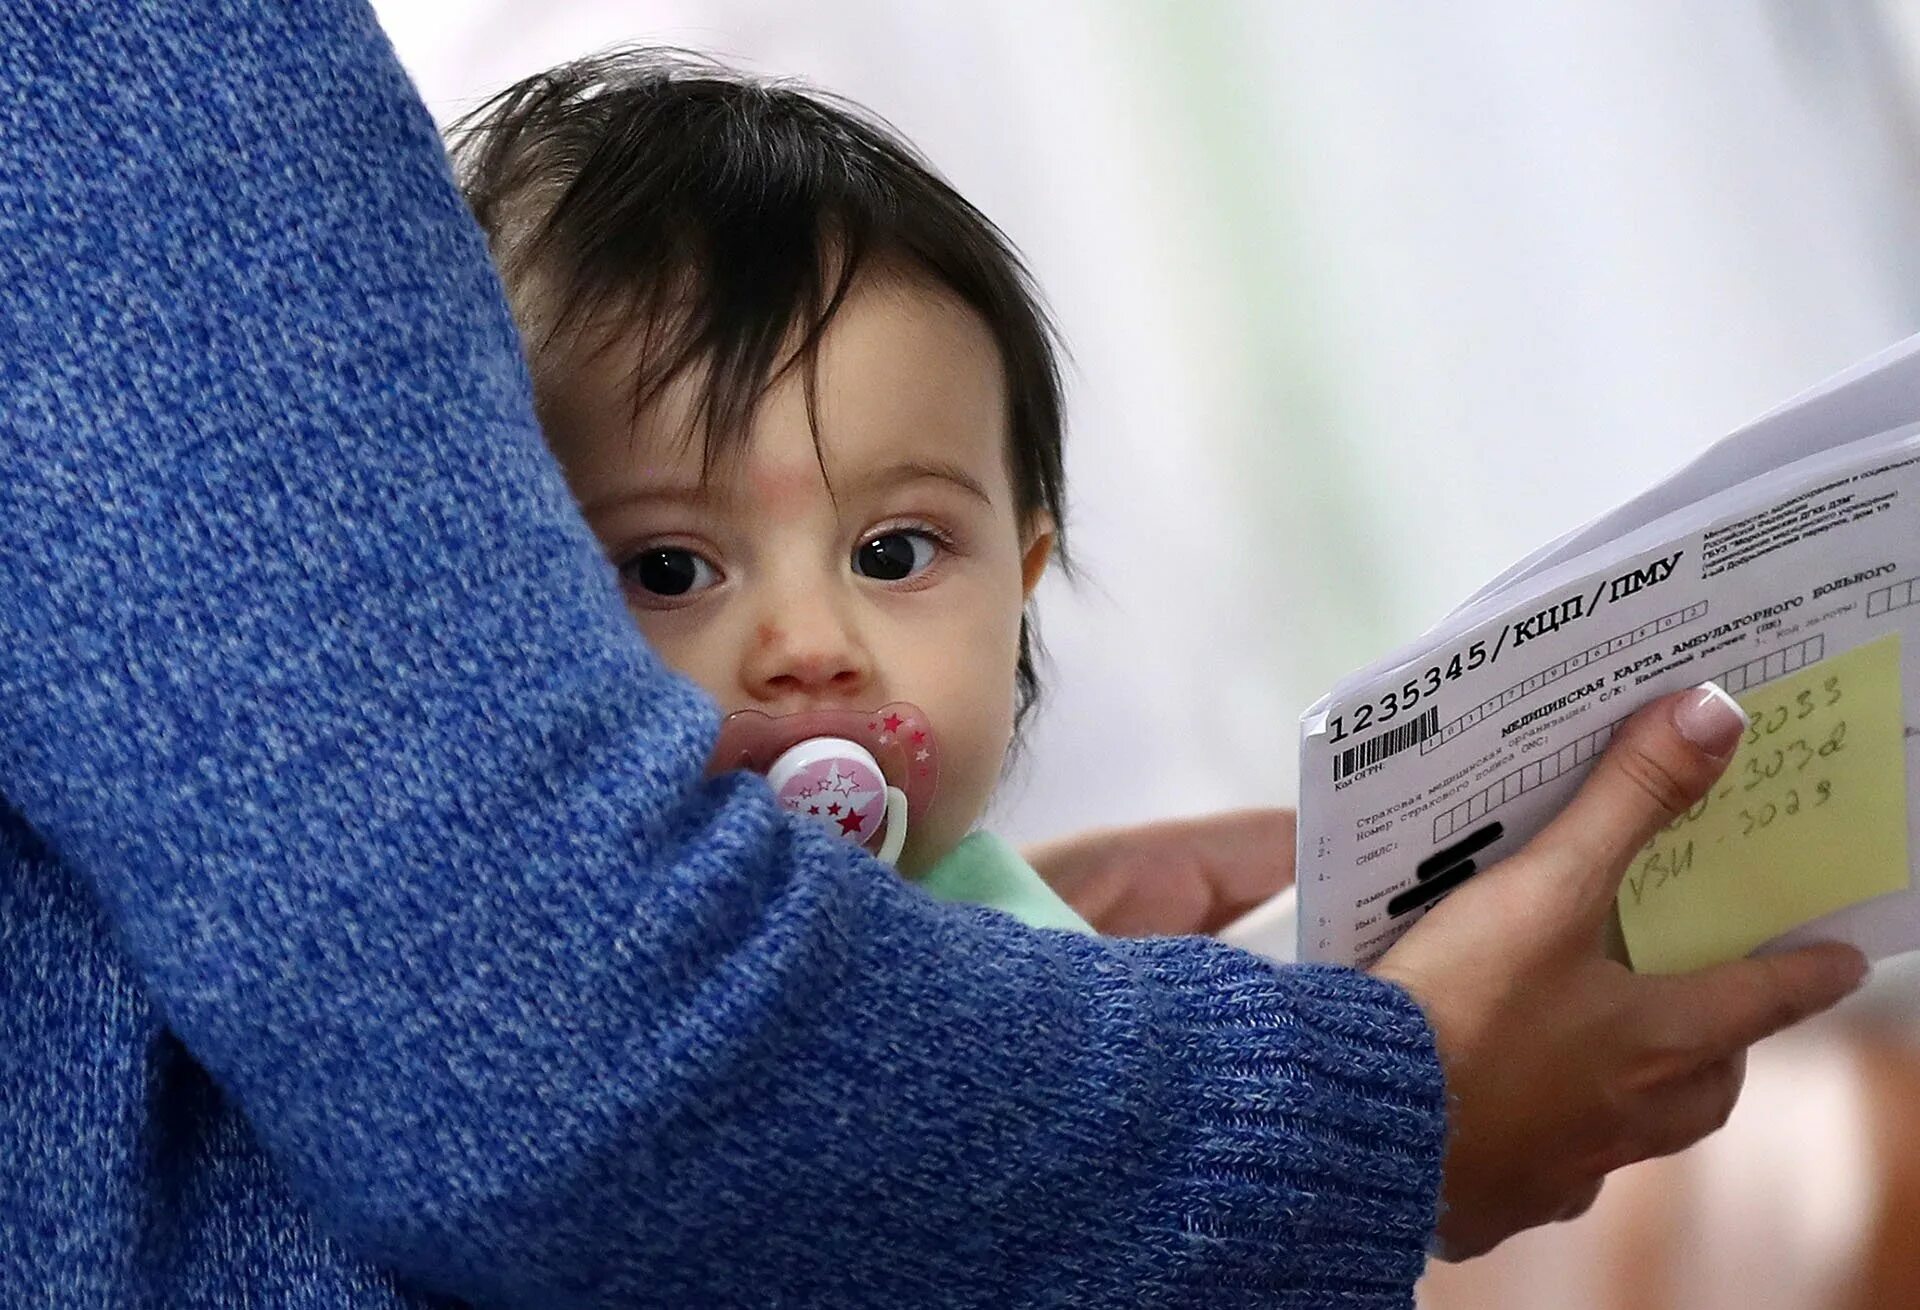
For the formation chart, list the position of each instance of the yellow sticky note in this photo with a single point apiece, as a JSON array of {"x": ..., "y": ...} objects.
[{"x": 1810, "y": 817}]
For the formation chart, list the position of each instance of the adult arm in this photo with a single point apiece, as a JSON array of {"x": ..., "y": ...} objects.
[
  {"x": 1562, "y": 1065},
  {"x": 310, "y": 666}
]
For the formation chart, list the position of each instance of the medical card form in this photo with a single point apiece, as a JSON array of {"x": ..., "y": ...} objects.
[{"x": 1783, "y": 564}]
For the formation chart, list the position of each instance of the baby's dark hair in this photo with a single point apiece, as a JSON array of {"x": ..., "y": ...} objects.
[{"x": 652, "y": 200}]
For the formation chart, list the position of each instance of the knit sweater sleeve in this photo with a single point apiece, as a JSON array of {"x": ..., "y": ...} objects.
[{"x": 309, "y": 665}]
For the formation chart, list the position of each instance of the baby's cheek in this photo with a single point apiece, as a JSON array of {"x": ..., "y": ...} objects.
[
  {"x": 683, "y": 652},
  {"x": 970, "y": 765}
]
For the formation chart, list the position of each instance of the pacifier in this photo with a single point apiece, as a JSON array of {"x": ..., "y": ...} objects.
[{"x": 862, "y": 774}]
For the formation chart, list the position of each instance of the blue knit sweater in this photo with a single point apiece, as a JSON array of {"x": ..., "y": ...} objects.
[{"x": 368, "y": 935}]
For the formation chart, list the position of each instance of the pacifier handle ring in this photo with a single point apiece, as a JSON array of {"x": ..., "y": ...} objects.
[{"x": 896, "y": 827}]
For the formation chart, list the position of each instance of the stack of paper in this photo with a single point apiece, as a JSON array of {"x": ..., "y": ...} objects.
[{"x": 1784, "y": 564}]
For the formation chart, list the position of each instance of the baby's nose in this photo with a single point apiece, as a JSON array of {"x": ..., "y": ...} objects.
[{"x": 810, "y": 651}]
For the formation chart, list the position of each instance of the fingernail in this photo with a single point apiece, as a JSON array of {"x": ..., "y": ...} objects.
[{"x": 1711, "y": 720}]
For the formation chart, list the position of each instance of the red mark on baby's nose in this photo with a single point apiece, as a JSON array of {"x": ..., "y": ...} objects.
[{"x": 767, "y": 634}]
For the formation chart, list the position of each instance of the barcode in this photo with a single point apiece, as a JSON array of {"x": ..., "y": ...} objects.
[{"x": 1391, "y": 742}]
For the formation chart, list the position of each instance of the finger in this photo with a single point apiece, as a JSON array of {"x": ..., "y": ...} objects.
[
  {"x": 1580, "y": 1202},
  {"x": 1662, "y": 760},
  {"x": 1693, "y": 1108},
  {"x": 1173, "y": 876},
  {"x": 1247, "y": 860},
  {"x": 1727, "y": 1008}
]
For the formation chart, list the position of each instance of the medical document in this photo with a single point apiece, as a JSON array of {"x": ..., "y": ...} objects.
[{"x": 1783, "y": 564}]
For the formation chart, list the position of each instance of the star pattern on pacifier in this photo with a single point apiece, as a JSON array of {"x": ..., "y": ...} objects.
[
  {"x": 863, "y": 775},
  {"x": 836, "y": 797}
]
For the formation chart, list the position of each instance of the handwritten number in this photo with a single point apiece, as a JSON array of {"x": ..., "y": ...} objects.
[{"x": 1836, "y": 740}]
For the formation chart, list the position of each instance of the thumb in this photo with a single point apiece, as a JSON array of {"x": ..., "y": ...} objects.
[{"x": 1662, "y": 760}]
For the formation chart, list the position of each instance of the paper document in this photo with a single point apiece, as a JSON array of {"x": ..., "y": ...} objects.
[{"x": 1783, "y": 564}]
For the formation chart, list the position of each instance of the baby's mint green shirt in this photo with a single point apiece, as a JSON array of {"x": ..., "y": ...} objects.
[{"x": 983, "y": 870}]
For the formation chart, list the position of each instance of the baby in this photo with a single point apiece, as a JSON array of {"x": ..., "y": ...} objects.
[{"x": 808, "y": 401}]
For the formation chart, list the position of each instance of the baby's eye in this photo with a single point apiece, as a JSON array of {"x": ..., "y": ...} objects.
[
  {"x": 892, "y": 556},
  {"x": 669, "y": 571}
]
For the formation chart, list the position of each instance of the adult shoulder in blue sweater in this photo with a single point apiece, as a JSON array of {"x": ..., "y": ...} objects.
[{"x": 315, "y": 683}]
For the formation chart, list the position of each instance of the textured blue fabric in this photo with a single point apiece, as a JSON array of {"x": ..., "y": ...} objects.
[{"x": 367, "y": 932}]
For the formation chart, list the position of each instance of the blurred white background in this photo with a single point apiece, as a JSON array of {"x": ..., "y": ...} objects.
[{"x": 1366, "y": 299}]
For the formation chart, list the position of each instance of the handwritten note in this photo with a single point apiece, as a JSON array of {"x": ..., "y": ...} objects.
[{"x": 1810, "y": 817}]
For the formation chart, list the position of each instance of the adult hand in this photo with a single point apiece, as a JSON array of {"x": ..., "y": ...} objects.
[
  {"x": 1173, "y": 877},
  {"x": 1562, "y": 1065}
]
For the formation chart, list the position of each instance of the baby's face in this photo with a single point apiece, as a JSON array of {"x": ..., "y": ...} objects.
[{"x": 905, "y": 581}]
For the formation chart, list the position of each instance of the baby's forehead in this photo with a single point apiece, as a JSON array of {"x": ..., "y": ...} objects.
[{"x": 901, "y": 375}]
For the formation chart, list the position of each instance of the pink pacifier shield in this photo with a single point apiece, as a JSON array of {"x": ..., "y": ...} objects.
[{"x": 897, "y": 735}]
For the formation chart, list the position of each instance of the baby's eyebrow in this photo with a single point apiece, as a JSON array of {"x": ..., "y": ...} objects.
[
  {"x": 703, "y": 495},
  {"x": 914, "y": 470}
]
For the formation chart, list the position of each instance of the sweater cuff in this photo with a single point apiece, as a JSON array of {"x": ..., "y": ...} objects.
[{"x": 1314, "y": 1113}]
